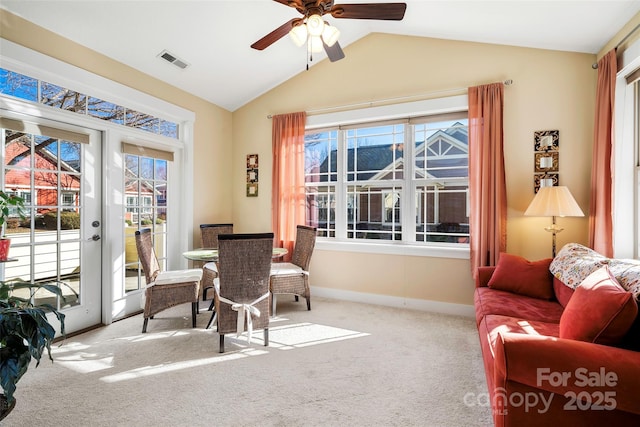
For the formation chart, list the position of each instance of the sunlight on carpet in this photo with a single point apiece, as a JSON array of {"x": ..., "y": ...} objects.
[
  {"x": 172, "y": 367},
  {"x": 78, "y": 357},
  {"x": 306, "y": 334}
]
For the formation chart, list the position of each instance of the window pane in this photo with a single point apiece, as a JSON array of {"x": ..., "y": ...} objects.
[
  {"x": 442, "y": 214},
  {"x": 70, "y": 156},
  {"x": 18, "y": 85},
  {"x": 321, "y": 168},
  {"x": 320, "y": 156},
  {"x": 321, "y": 209},
  {"x": 161, "y": 201},
  {"x": 17, "y": 160},
  {"x": 131, "y": 169},
  {"x": 375, "y": 153},
  {"x": 168, "y": 129},
  {"x": 374, "y": 212},
  {"x": 104, "y": 110},
  {"x": 146, "y": 168},
  {"x": 142, "y": 121},
  {"x": 65, "y": 99},
  {"x": 442, "y": 150},
  {"x": 160, "y": 170}
]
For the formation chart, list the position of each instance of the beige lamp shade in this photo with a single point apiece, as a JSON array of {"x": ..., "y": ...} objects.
[{"x": 554, "y": 201}]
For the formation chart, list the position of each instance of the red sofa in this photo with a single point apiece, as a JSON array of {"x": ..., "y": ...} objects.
[{"x": 537, "y": 372}]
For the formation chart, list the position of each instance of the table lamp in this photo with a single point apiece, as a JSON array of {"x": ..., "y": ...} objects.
[{"x": 553, "y": 202}]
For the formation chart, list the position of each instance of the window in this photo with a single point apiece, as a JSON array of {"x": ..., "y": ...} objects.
[
  {"x": 69, "y": 201},
  {"x": 626, "y": 152},
  {"x": 25, "y": 87},
  {"x": 403, "y": 180},
  {"x": 145, "y": 207}
]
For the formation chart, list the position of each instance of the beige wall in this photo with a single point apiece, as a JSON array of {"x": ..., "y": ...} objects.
[
  {"x": 212, "y": 128},
  {"x": 551, "y": 90}
]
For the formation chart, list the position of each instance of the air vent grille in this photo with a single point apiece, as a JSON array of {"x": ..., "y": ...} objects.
[{"x": 173, "y": 59}]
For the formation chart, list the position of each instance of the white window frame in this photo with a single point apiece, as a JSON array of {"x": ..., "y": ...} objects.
[
  {"x": 626, "y": 160},
  {"x": 381, "y": 113}
]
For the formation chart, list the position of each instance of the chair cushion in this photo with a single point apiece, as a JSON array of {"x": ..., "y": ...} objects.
[
  {"x": 211, "y": 266},
  {"x": 600, "y": 310},
  {"x": 178, "y": 276},
  {"x": 520, "y": 276},
  {"x": 284, "y": 268}
]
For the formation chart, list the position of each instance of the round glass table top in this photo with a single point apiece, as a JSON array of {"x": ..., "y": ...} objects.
[{"x": 211, "y": 254}]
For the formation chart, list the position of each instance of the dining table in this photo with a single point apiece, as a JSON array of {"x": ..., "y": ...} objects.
[{"x": 211, "y": 254}]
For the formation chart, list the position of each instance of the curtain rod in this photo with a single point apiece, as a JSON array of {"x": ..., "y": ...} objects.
[
  {"x": 378, "y": 101},
  {"x": 624, "y": 39}
]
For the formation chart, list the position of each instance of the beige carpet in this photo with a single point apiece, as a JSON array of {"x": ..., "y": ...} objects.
[{"x": 340, "y": 364}]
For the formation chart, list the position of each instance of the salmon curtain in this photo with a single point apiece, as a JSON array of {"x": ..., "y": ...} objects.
[
  {"x": 487, "y": 185},
  {"x": 288, "y": 195},
  {"x": 600, "y": 218}
]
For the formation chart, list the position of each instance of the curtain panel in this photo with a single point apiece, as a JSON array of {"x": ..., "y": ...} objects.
[
  {"x": 487, "y": 184},
  {"x": 288, "y": 196},
  {"x": 600, "y": 218}
]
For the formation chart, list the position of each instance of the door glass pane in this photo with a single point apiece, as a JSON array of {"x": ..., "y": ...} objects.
[
  {"x": 45, "y": 172},
  {"x": 145, "y": 201},
  {"x": 70, "y": 156},
  {"x": 146, "y": 168}
]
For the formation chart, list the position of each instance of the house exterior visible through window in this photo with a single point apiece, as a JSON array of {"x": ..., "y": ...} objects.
[
  {"x": 145, "y": 207},
  {"x": 402, "y": 180}
]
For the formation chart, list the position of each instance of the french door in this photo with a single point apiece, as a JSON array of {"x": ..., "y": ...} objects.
[{"x": 56, "y": 169}]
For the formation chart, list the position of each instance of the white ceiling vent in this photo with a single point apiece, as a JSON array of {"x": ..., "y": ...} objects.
[{"x": 169, "y": 57}]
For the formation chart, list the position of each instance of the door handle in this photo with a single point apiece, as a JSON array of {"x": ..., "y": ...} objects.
[{"x": 95, "y": 238}]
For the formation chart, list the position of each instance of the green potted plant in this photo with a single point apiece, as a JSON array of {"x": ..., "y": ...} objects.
[
  {"x": 25, "y": 333},
  {"x": 8, "y": 203}
]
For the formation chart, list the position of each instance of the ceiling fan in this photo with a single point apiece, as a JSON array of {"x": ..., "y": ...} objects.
[{"x": 317, "y": 33}]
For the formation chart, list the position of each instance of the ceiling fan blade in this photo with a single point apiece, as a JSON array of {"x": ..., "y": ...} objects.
[
  {"x": 275, "y": 35},
  {"x": 291, "y": 3},
  {"x": 384, "y": 11},
  {"x": 334, "y": 52}
]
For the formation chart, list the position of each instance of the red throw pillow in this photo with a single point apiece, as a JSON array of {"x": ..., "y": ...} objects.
[
  {"x": 520, "y": 276},
  {"x": 599, "y": 311}
]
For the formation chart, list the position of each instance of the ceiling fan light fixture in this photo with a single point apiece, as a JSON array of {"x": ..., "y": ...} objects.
[
  {"x": 330, "y": 35},
  {"x": 315, "y": 25},
  {"x": 299, "y": 34},
  {"x": 315, "y": 44}
]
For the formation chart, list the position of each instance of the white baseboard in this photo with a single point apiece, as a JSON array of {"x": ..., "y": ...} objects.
[{"x": 398, "y": 302}]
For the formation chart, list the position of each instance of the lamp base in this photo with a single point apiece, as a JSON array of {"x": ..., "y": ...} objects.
[{"x": 553, "y": 228}]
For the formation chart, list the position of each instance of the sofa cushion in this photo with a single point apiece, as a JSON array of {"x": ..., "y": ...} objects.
[
  {"x": 492, "y": 301},
  {"x": 563, "y": 292},
  {"x": 520, "y": 276},
  {"x": 496, "y": 324},
  {"x": 599, "y": 311}
]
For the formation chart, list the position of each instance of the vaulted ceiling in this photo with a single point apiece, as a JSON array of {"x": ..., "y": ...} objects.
[{"x": 214, "y": 36}]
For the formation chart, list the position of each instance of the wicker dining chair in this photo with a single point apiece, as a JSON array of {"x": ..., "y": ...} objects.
[
  {"x": 242, "y": 288},
  {"x": 293, "y": 277},
  {"x": 209, "y": 235},
  {"x": 165, "y": 289}
]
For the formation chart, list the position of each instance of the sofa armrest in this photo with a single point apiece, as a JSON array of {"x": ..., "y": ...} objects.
[
  {"x": 568, "y": 367},
  {"x": 484, "y": 274}
]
